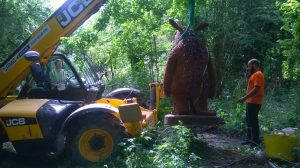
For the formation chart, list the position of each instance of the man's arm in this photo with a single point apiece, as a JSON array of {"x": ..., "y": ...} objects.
[{"x": 253, "y": 92}]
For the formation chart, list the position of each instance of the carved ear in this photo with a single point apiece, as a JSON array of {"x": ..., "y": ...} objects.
[
  {"x": 201, "y": 26},
  {"x": 176, "y": 25}
]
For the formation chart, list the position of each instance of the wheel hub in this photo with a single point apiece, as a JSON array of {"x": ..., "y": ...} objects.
[{"x": 97, "y": 142}]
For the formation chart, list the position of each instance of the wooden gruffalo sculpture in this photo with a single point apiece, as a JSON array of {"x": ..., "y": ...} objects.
[{"x": 190, "y": 76}]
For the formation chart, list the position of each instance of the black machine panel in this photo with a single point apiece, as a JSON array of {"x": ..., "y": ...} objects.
[{"x": 51, "y": 116}]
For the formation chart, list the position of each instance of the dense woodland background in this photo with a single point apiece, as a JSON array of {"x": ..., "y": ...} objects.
[
  {"x": 131, "y": 40},
  {"x": 120, "y": 37}
]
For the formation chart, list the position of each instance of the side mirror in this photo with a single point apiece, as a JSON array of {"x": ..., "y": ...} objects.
[
  {"x": 32, "y": 56},
  {"x": 35, "y": 67}
]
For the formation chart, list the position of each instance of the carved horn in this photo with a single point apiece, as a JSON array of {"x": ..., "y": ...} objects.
[{"x": 176, "y": 25}]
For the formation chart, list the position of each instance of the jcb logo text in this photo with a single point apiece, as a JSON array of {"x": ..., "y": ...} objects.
[
  {"x": 71, "y": 11},
  {"x": 15, "y": 122}
]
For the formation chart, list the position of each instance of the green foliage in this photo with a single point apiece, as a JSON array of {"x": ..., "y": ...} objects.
[
  {"x": 233, "y": 116},
  {"x": 135, "y": 23},
  {"x": 18, "y": 20},
  {"x": 239, "y": 31},
  {"x": 80, "y": 42},
  {"x": 124, "y": 43},
  {"x": 290, "y": 43},
  {"x": 161, "y": 147},
  {"x": 165, "y": 108},
  {"x": 174, "y": 148},
  {"x": 280, "y": 110},
  {"x": 122, "y": 38}
]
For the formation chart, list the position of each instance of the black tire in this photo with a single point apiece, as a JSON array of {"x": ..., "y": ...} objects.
[
  {"x": 96, "y": 140},
  {"x": 123, "y": 96},
  {"x": 127, "y": 93}
]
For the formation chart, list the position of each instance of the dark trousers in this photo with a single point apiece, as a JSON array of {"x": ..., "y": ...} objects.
[{"x": 252, "y": 121}]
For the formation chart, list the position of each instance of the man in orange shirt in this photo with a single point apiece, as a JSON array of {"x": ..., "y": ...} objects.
[{"x": 254, "y": 99}]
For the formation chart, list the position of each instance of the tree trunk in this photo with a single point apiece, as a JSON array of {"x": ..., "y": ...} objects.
[{"x": 218, "y": 52}]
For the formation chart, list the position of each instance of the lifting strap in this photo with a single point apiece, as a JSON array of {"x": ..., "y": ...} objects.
[{"x": 191, "y": 19}]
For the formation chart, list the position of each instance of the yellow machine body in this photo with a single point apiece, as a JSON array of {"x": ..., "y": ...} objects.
[
  {"x": 44, "y": 40},
  {"x": 281, "y": 146},
  {"x": 148, "y": 118},
  {"x": 14, "y": 116}
]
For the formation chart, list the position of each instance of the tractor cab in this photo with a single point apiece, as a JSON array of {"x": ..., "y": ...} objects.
[{"x": 60, "y": 79}]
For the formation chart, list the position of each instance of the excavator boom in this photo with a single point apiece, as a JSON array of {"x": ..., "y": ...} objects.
[{"x": 44, "y": 40}]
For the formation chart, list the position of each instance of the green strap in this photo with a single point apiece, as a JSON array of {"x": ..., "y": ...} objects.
[{"x": 191, "y": 19}]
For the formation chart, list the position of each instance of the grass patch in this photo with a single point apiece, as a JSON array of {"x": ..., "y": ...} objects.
[
  {"x": 280, "y": 110},
  {"x": 164, "y": 146}
]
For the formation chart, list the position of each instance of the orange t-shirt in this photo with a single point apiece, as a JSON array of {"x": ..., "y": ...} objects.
[{"x": 256, "y": 79}]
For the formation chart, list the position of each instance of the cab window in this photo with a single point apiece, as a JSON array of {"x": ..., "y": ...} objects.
[{"x": 59, "y": 72}]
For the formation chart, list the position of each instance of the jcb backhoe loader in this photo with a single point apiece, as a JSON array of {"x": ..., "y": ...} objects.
[{"x": 39, "y": 119}]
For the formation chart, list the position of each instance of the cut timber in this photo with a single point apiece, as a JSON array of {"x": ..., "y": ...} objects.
[{"x": 199, "y": 120}]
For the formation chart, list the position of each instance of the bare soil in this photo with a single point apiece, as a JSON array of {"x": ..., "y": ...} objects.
[{"x": 227, "y": 151}]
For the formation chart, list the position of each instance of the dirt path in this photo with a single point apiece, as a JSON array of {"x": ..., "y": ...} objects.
[{"x": 228, "y": 151}]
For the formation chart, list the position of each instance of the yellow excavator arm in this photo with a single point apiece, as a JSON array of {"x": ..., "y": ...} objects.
[{"x": 44, "y": 40}]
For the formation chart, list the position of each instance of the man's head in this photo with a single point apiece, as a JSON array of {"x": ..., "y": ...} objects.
[
  {"x": 58, "y": 64},
  {"x": 253, "y": 65}
]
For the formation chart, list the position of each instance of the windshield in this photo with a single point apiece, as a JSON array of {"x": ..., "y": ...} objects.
[{"x": 88, "y": 72}]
